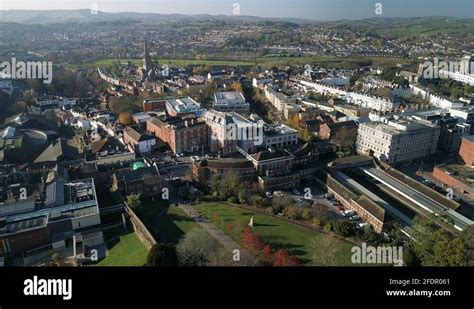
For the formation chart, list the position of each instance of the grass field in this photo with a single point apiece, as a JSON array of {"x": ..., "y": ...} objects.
[
  {"x": 278, "y": 233},
  {"x": 174, "y": 224},
  {"x": 265, "y": 62},
  {"x": 167, "y": 224},
  {"x": 170, "y": 62},
  {"x": 129, "y": 251}
]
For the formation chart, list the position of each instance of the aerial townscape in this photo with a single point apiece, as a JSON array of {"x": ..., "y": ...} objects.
[{"x": 233, "y": 140}]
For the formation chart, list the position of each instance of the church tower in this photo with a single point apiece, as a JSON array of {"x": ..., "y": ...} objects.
[{"x": 147, "y": 64}]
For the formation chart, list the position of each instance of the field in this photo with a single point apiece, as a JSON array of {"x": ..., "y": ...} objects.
[
  {"x": 278, "y": 233},
  {"x": 265, "y": 62},
  {"x": 174, "y": 224},
  {"x": 129, "y": 251},
  {"x": 170, "y": 62},
  {"x": 167, "y": 224}
]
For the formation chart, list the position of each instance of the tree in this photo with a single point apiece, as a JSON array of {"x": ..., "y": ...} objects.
[
  {"x": 281, "y": 202},
  {"x": 257, "y": 201},
  {"x": 196, "y": 248},
  {"x": 236, "y": 86},
  {"x": 321, "y": 212},
  {"x": 343, "y": 228},
  {"x": 282, "y": 258},
  {"x": 162, "y": 255},
  {"x": 436, "y": 246},
  {"x": 125, "y": 118},
  {"x": 294, "y": 212},
  {"x": 226, "y": 185},
  {"x": 18, "y": 107},
  {"x": 468, "y": 237},
  {"x": 323, "y": 251},
  {"x": 230, "y": 228},
  {"x": 252, "y": 242},
  {"x": 267, "y": 252},
  {"x": 133, "y": 201}
]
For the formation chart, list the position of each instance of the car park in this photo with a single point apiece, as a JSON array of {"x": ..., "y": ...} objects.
[
  {"x": 354, "y": 218},
  {"x": 362, "y": 225},
  {"x": 278, "y": 193},
  {"x": 347, "y": 213},
  {"x": 296, "y": 192}
]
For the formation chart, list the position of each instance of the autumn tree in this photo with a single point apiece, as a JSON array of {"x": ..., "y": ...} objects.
[
  {"x": 18, "y": 107},
  {"x": 125, "y": 118},
  {"x": 252, "y": 242},
  {"x": 267, "y": 252},
  {"x": 282, "y": 258}
]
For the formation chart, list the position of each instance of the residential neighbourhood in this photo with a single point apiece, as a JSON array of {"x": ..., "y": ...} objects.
[{"x": 321, "y": 135}]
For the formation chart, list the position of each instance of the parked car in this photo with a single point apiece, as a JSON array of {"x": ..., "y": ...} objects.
[
  {"x": 195, "y": 158},
  {"x": 354, "y": 218},
  {"x": 362, "y": 225},
  {"x": 269, "y": 194},
  {"x": 278, "y": 193},
  {"x": 348, "y": 213},
  {"x": 340, "y": 208}
]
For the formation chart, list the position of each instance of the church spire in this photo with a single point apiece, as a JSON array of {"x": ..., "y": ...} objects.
[{"x": 147, "y": 64}]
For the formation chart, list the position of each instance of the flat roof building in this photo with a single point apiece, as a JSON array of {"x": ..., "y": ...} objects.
[
  {"x": 397, "y": 141},
  {"x": 230, "y": 102}
]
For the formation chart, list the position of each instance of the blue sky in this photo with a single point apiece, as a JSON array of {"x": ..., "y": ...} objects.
[{"x": 309, "y": 9}]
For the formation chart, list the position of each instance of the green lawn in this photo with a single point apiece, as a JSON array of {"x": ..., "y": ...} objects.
[
  {"x": 167, "y": 224},
  {"x": 174, "y": 224},
  {"x": 265, "y": 62},
  {"x": 129, "y": 251},
  {"x": 170, "y": 62},
  {"x": 278, "y": 233}
]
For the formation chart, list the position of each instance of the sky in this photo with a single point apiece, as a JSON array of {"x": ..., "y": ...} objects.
[{"x": 307, "y": 9}]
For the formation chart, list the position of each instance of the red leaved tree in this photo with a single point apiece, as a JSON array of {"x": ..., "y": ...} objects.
[
  {"x": 282, "y": 258},
  {"x": 251, "y": 241},
  {"x": 267, "y": 252}
]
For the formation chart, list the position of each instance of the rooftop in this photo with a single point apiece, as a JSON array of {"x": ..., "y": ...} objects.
[
  {"x": 183, "y": 104},
  {"x": 229, "y": 98}
]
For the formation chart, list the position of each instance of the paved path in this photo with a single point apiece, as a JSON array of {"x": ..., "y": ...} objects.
[{"x": 227, "y": 242}]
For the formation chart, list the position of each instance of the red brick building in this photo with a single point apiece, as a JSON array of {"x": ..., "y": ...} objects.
[
  {"x": 467, "y": 150},
  {"x": 181, "y": 135},
  {"x": 153, "y": 105},
  {"x": 341, "y": 132}
]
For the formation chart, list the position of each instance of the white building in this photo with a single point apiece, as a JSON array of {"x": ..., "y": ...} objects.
[
  {"x": 277, "y": 99},
  {"x": 230, "y": 102},
  {"x": 279, "y": 135},
  {"x": 397, "y": 141},
  {"x": 359, "y": 99}
]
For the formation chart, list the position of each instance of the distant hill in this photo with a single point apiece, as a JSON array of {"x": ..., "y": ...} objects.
[
  {"x": 396, "y": 27},
  {"x": 85, "y": 16},
  {"x": 383, "y": 26}
]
